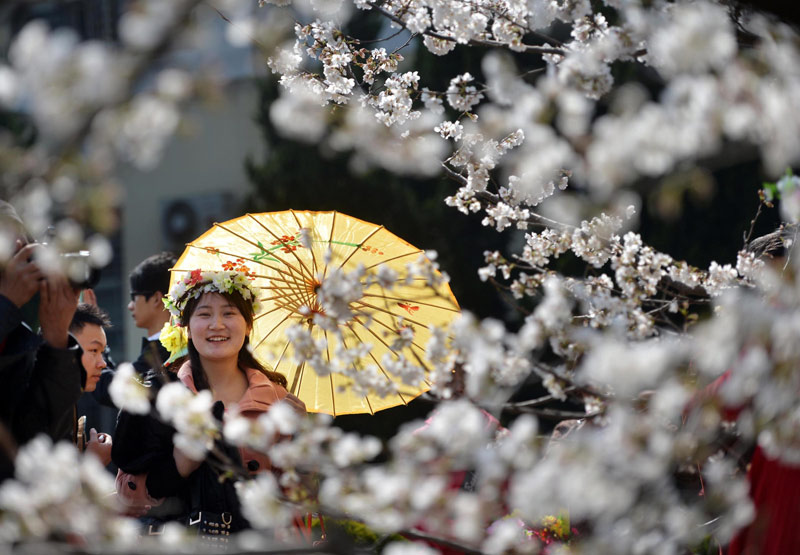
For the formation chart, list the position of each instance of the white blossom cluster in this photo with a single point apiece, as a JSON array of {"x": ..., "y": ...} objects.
[
  {"x": 318, "y": 446},
  {"x": 191, "y": 416},
  {"x": 260, "y": 433},
  {"x": 128, "y": 392},
  {"x": 57, "y": 492}
]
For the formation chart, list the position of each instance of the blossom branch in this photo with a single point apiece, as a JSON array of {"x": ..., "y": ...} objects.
[{"x": 473, "y": 42}]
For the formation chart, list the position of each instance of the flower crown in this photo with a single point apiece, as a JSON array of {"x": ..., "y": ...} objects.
[
  {"x": 199, "y": 282},
  {"x": 173, "y": 334}
]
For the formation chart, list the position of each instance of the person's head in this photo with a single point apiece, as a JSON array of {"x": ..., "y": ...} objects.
[
  {"x": 218, "y": 326},
  {"x": 217, "y": 309},
  {"x": 88, "y": 327},
  {"x": 149, "y": 282}
]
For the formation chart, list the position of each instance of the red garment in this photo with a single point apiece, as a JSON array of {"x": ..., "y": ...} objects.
[
  {"x": 260, "y": 395},
  {"x": 459, "y": 479},
  {"x": 729, "y": 414},
  {"x": 775, "y": 491}
]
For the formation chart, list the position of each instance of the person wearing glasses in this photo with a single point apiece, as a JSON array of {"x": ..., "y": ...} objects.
[{"x": 149, "y": 285}]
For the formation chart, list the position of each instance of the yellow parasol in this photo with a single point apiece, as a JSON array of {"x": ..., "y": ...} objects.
[{"x": 290, "y": 253}]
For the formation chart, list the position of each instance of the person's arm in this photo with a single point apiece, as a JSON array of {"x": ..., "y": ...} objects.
[
  {"x": 47, "y": 404},
  {"x": 143, "y": 446},
  {"x": 18, "y": 345},
  {"x": 10, "y": 317},
  {"x": 48, "y": 401}
]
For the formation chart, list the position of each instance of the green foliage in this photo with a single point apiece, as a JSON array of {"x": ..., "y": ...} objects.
[
  {"x": 709, "y": 546},
  {"x": 772, "y": 191}
]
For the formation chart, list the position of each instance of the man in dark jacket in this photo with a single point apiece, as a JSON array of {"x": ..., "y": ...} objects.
[
  {"x": 149, "y": 282},
  {"x": 40, "y": 372},
  {"x": 149, "y": 286}
]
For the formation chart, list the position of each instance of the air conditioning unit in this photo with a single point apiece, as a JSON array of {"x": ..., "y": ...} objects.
[{"x": 186, "y": 218}]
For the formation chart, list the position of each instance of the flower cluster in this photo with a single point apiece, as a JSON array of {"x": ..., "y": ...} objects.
[
  {"x": 199, "y": 282},
  {"x": 57, "y": 492},
  {"x": 175, "y": 341},
  {"x": 191, "y": 416},
  {"x": 128, "y": 392}
]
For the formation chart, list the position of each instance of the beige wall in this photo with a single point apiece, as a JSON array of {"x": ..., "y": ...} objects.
[{"x": 209, "y": 159}]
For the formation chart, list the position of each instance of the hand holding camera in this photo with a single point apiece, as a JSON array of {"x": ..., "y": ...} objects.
[
  {"x": 23, "y": 276},
  {"x": 58, "y": 304},
  {"x": 20, "y": 279}
]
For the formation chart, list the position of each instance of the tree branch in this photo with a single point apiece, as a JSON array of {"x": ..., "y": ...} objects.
[{"x": 472, "y": 42}]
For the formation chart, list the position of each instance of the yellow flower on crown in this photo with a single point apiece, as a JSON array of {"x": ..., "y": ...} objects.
[{"x": 174, "y": 339}]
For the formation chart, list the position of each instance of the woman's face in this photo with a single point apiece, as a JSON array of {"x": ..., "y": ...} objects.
[{"x": 217, "y": 328}]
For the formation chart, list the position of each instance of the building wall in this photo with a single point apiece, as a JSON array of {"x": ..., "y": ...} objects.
[{"x": 204, "y": 170}]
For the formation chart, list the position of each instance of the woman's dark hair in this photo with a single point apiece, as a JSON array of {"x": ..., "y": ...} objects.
[{"x": 246, "y": 358}]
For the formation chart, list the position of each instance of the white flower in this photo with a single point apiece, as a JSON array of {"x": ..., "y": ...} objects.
[
  {"x": 338, "y": 289},
  {"x": 261, "y": 502},
  {"x": 128, "y": 392},
  {"x": 697, "y": 36},
  {"x": 450, "y": 130},
  {"x": 191, "y": 415},
  {"x": 438, "y": 46},
  {"x": 409, "y": 548},
  {"x": 9, "y": 87},
  {"x": 462, "y": 96}
]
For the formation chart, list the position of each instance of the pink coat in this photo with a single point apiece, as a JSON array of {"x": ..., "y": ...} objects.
[{"x": 260, "y": 395}]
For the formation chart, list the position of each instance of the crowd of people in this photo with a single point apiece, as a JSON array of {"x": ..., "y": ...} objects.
[{"x": 46, "y": 373}]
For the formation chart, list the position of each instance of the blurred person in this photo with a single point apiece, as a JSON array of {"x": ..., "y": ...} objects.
[
  {"x": 40, "y": 371},
  {"x": 149, "y": 282},
  {"x": 88, "y": 327}
]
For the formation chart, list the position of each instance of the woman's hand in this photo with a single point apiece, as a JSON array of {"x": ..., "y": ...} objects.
[{"x": 186, "y": 465}]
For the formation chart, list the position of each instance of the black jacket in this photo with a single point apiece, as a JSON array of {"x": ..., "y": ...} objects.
[
  {"x": 41, "y": 384},
  {"x": 143, "y": 444}
]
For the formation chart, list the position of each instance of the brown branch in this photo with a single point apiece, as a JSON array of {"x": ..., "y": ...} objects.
[
  {"x": 775, "y": 242},
  {"x": 417, "y": 535}
]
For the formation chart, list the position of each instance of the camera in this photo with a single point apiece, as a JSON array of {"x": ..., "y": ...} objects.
[
  {"x": 80, "y": 272},
  {"x": 77, "y": 266}
]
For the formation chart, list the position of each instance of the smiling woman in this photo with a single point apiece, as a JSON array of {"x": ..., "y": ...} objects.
[
  {"x": 216, "y": 309},
  {"x": 217, "y": 329}
]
